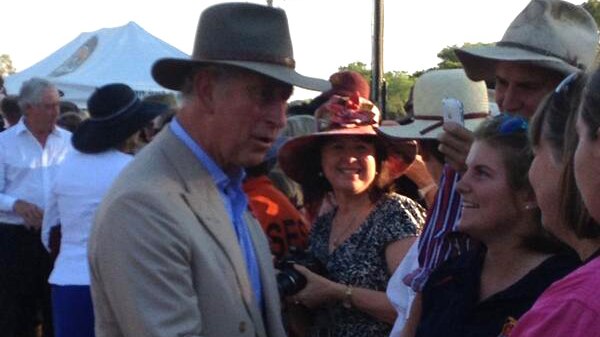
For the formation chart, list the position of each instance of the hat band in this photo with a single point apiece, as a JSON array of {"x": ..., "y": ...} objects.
[
  {"x": 540, "y": 51},
  {"x": 439, "y": 119},
  {"x": 249, "y": 57},
  {"x": 119, "y": 112}
]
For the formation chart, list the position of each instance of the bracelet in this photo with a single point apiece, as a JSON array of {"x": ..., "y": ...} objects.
[
  {"x": 423, "y": 191},
  {"x": 347, "y": 301}
]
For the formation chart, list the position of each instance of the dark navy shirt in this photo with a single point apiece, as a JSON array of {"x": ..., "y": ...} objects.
[{"x": 451, "y": 305}]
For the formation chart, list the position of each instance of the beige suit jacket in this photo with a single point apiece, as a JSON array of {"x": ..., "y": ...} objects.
[{"x": 165, "y": 259}]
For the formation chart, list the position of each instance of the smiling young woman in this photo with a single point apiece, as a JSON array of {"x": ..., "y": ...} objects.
[{"x": 495, "y": 285}]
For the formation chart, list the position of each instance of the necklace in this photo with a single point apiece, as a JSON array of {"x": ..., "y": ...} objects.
[{"x": 350, "y": 228}]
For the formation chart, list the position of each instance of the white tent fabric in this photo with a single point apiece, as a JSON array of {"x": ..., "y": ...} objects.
[{"x": 122, "y": 54}]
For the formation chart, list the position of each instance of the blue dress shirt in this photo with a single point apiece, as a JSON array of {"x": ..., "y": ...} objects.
[{"x": 236, "y": 203}]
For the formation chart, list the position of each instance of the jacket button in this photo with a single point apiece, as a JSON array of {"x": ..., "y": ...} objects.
[{"x": 242, "y": 326}]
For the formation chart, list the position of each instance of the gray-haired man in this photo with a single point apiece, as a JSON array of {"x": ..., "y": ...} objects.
[{"x": 30, "y": 153}]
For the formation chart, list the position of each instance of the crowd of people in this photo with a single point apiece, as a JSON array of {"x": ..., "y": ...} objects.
[{"x": 224, "y": 212}]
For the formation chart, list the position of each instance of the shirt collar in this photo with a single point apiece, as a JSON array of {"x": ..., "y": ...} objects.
[
  {"x": 20, "y": 127},
  {"x": 221, "y": 179}
]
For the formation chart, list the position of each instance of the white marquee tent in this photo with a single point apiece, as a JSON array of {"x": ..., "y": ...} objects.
[{"x": 122, "y": 54}]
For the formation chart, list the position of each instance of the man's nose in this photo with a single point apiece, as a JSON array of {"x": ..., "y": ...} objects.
[{"x": 511, "y": 101}]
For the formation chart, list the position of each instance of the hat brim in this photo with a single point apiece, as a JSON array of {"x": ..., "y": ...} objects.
[
  {"x": 171, "y": 72},
  {"x": 479, "y": 62},
  {"x": 413, "y": 130},
  {"x": 95, "y": 136},
  {"x": 405, "y": 148},
  {"x": 297, "y": 156}
]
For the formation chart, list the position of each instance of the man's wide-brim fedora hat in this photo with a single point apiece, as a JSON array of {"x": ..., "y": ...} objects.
[
  {"x": 116, "y": 113},
  {"x": 552, "y": 34},
  {"x": 429, "y": 91},
  {"x": 245, "y": 35}
]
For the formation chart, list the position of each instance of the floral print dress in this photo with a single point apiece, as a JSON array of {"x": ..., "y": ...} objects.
[{"x": 360, "y": 262}]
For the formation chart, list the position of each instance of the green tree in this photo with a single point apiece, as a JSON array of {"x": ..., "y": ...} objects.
[
  {"x": 360, "y": 68},
  {"x": 398, "y": 87},
  {"x": 593, "y": 7},
  {"x": 6, "y": 66},
  {"x": 448, "y": 58}
]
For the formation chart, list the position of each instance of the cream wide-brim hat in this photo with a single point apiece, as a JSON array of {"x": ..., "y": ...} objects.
[
  {"x": 429, "y": 91},
  {"x": 551, "y": 34}
]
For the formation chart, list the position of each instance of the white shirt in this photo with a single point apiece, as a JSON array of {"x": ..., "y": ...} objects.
[
  {"x": 27, "y": 169},
  {"x": 400, "y": 295},
  {"x": 81, "y": 183}
]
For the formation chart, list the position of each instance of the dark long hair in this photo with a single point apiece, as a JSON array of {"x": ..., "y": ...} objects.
[
  {"x": 590, "y": 105},
  {"x": 554, "y": 121}
]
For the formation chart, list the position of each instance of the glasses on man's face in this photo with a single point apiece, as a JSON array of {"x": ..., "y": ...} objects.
[{"x": 266, "y": 94}]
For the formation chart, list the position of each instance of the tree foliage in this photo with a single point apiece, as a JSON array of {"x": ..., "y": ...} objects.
[
  {"x": 360, "y": 68},
  {"x": 449, "y": 60},
  {"x": 400, "y": 82},
  {"x": 593, "y": 7},
  {"x": 398, "y": 87},
  {"x": 6, "y": 66}
]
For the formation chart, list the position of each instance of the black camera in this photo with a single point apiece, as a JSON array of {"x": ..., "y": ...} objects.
[{"x": 289, "y": 280}]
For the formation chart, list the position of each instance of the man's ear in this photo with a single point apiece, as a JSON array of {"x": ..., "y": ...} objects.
[{"x": 204, "y": 85}]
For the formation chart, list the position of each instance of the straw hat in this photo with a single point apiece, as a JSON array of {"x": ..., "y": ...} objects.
[
  {"x": 245, "y": 35},
  {"x": 429, "y": 91},
  {"x": 552, "y": 34}
]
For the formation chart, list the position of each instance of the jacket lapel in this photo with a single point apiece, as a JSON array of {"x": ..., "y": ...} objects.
[
  {"x": 267, "y": 272},
  {"x": 203, "y": 198}
]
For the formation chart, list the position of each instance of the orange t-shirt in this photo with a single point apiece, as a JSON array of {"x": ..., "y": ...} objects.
[{"x": 282, "y": 222}]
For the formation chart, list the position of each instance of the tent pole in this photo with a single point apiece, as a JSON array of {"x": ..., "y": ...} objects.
[{"x": 377, "y": 58}]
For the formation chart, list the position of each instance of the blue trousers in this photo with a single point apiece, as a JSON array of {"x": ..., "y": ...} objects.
[{"x": 72, "y": 311}]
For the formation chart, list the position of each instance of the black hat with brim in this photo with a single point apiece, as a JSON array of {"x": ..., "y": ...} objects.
[{"x": 116, "y": 114}]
